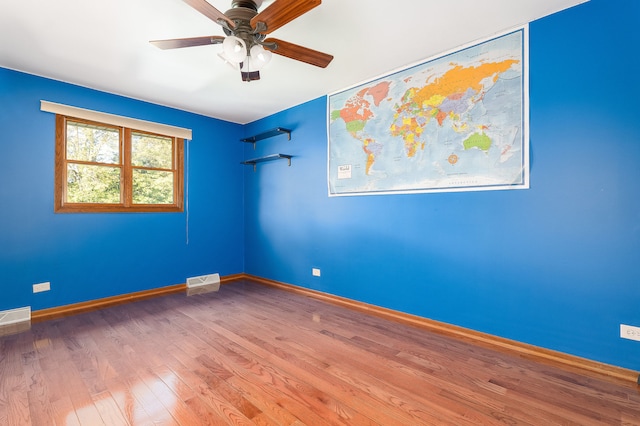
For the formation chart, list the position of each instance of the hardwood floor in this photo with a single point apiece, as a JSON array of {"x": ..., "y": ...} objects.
[{"x": 250, "y": 354}]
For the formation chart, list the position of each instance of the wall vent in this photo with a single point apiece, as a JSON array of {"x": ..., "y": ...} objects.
[
  {"x": 14, "y": 316},
  {"x": 211, "y": 280}
]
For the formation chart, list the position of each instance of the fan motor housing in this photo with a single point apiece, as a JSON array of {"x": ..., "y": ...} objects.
[
  {"x": 241, "y": 13},
  {"x": 249, "y": 4}
]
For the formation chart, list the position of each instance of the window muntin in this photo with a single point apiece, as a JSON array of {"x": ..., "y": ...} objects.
[
  {"x": 151, "y": 162},
  {"x": 105, "y": 168}
]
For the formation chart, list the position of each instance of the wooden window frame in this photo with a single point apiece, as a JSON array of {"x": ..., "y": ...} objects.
[{"x": 126, "y": 176}]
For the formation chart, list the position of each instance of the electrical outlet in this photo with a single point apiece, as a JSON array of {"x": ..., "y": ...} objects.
[
  {"x": 630, "y": 332},
  {"x": 38, "y": 288},
  {"x": 315, "y": 272}
]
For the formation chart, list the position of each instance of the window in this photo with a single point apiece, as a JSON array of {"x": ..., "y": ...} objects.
[{"x": 106, "y": 168}]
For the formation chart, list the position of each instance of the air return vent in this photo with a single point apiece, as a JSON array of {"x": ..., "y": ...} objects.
[
  {"x": 211, "y": 280},
  {"x": 14, "y": 316}
]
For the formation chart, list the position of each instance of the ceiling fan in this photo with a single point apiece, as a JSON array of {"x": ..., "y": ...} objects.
[{"x": 246, "y": 46}]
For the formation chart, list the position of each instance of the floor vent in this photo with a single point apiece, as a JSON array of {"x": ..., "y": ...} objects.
[
  {"x": 14, "y": 316},
  {"x": 211, "y": 280}
]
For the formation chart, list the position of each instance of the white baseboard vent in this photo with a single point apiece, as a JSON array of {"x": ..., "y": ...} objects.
[
  {"x": 14, "y": 316},
  {"x": 212, "y": 280}
]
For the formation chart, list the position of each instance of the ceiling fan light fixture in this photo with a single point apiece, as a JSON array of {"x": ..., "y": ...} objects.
[
  {"x": 234, "y": 65},
  {"x": 235, "y": 49},
  {"x": 246, "y": 46},
  {"x": 259, "y": 56}
]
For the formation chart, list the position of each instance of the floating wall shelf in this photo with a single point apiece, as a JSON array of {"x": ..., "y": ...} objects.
[
  {"x": 265, "y": 135},
  {"x": 271, "y": 157},
  {"x": 268, "y": 134}
]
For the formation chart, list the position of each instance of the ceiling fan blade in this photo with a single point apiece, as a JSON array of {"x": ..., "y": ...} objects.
[
  {"x": 281, "y": 12},
  {"x": 177, "y": 43},
  {"x": 209, "y": 11},
  {"x": 299, "y": 53}
]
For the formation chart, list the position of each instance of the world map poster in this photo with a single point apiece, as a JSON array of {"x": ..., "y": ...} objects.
[{"x": 454, "y": 123}]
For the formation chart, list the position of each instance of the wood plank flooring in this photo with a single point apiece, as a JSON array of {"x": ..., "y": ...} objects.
[{"x": 254, "y": 355}]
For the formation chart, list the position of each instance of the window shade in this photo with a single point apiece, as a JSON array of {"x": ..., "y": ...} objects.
[{"x": 116, "y": 120}]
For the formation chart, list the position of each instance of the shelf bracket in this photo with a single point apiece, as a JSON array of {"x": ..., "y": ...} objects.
[{"x": 254, "y": 162}]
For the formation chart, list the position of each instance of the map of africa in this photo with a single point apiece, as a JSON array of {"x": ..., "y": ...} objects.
[{"x": 453, "y": 123}]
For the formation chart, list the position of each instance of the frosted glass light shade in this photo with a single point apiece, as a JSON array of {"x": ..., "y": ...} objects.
[
  {"x": 259, "y": 57},
  {"x": 234, "y": 65},
  {"x": 235, "y": 50}
]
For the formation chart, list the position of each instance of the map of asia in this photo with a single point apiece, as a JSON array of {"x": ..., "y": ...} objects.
[{"x": 455, "y": 123}]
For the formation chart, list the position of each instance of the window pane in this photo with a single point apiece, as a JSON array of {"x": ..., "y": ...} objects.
[
  {"x": 95, "y": 144},
  {"x": 151, "y": 151},
  {"x": 152, "y": 187},
  {"x": 93, "y": 184}
]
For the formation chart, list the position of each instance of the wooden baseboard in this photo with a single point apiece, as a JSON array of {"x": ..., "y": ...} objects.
[
  {"x": 512, "y": 346},
  {"x": 92, "y": 305}
]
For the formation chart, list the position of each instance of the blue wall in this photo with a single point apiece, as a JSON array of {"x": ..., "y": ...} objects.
[
  {"x": 91, "y": 256},
  {"x": 555, "y": 266}
]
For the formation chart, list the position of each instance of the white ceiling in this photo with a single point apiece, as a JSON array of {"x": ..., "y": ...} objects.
[{"x": 103, "y": 44}]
